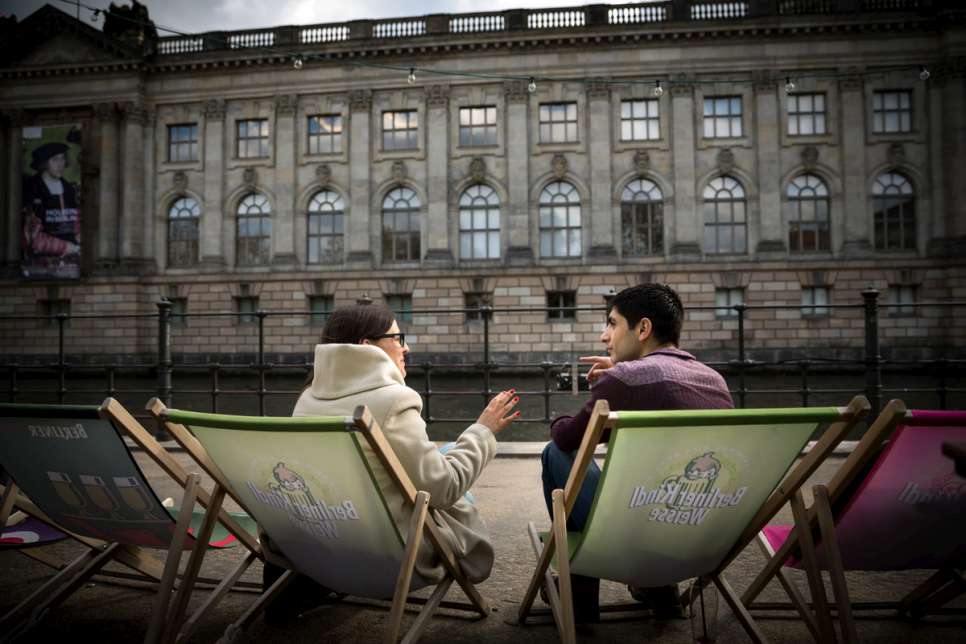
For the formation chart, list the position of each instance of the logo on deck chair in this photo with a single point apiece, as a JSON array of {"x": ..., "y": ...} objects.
[
  {"x": 289, "y": 491},
  {"x": 686, "y": 498}
]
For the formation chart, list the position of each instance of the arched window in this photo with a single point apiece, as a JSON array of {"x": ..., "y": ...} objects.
[
  {"x": 479, "y": 223},
  {"x": 183, "y": 232},
  {"x": 254, "y": 241},
  {"x": 560, "y": 220},
  {"x": 725, "y": 227},
  {"x": 642, "y": 218},
  {"x": 808, "y": 220},
  {"x": 894, "y": 212},
  {"x": 325, "y": 238},
  {"x": 400, "y": 225}
]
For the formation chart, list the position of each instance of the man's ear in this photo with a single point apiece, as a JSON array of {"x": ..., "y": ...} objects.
[{"x": 646, "y": 329}]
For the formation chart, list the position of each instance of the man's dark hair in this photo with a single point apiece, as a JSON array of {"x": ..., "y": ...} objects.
[{"x": 656, "y": 302}]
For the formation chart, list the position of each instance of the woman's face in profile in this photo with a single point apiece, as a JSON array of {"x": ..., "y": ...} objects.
[
  {"x": 55, "y": 165},
  {"x": 394, "y": 349}
]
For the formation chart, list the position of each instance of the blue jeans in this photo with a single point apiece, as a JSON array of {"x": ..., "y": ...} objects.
[{"x": 556, "y": 469}]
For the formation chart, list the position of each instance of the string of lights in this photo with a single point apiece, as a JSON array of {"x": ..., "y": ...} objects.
[{"x": 300, "y": 59}]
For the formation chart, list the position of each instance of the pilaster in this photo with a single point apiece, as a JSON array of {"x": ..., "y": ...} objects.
[
  {"x": 771, "y": 238},
  {"x": 213, "y": 242},
  {"x": 437, "y": 155},
  {"x": 283, "y": 226},
  {"x": 518, "y": 169},
  {"x": 685, "y": 227},
  {"x": 360, "y": 116},
  {"x": 600, "y": 219},
  {"x": 856, "y": 220},
  {"x": 108, "y": 188}
]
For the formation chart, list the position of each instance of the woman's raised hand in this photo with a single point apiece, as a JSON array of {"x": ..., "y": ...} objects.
[{"x": 499, "y": 412}]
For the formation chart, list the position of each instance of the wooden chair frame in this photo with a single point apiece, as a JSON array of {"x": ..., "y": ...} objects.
[
  {"x": 818, "y": 522},
  {"x": 564, "y": 500},
  {"x": 419, "y": 528},
  {"x": 73, "y": 575}
]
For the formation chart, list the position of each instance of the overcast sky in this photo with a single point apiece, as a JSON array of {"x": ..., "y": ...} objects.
[{"x": 192, "y": 16}]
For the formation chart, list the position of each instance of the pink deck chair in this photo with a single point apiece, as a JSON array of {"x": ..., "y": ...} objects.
[{"x": 898, "y": 505}]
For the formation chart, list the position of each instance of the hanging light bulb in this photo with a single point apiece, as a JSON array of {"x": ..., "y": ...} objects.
[
  {"x": 658, "y": 91},
  {"x": 532, "y": 85},
  {"x": 96, "y": 15},
  {"x": 298, "y": 62},
  {"x": 923, "y": 73},
  {"x": 789, "y": 85},
  {"x": 412, "y": 76}
]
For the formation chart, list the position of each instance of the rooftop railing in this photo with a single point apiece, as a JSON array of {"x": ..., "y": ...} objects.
[{"x": 532, "y": 20}]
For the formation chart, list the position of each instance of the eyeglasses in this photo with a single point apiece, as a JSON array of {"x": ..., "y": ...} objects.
[{"x": 401, "y": 337}]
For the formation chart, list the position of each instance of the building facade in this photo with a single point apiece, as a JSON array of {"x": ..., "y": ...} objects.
[{"x": 790, "y": 152}]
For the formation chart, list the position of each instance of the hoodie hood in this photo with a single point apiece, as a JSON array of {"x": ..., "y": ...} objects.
[{"x": 347, "y": 369}]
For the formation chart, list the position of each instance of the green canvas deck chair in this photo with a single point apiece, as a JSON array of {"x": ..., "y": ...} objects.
[
  {"x": 895, "y": 503},
  {"x": 71, "y": 469},
  {"x": 308, "y": 484},
  {"x": 681, "y": 493}
]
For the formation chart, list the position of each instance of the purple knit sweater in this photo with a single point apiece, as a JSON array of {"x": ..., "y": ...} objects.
[{"x": 665, "y": 379}]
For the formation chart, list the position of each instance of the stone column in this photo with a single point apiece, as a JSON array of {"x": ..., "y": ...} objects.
[
  {"x": 13, "y": 202},
  {"x": 856, "y": 222},
  {"x": 518, "y": 172},
  {"x": 283, "y": 226},
  {"x": 769, "y": 230},
  {"x": 954, "y": 156},
  {"x": 108, "y": 190},
  {"x": 360, "y": 108},
  {"x": 150, "y": 219},
  {"x": 600, "y": 219},
  {"x": 132, "y": 187},
  {"x": 213, "y": 242},
  {"x": 437, "y": 162},
  {"x": 685, "y": 228}
]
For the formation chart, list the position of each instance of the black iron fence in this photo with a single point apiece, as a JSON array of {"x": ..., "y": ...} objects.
[{"x": 168, "y": 379}]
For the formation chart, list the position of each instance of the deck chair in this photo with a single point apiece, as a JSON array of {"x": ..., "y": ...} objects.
[
  {"x": 308, "y": 484},
  {"x": 681, "y": 493},
  {"x": 71, "y": 470},
  {"x": 894, "y": 504}
]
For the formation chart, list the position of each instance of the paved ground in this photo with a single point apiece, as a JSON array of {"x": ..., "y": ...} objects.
[{"x": 508, "y": 495}]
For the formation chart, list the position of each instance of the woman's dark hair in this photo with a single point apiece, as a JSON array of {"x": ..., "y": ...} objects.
[{"x": 352, "y": 324}]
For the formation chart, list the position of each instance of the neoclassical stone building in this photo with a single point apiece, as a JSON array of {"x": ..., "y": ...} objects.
[{"x": 775, "y": 152}]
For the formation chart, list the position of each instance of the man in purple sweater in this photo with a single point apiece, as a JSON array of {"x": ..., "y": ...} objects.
[{"x": 644, "y": 369}]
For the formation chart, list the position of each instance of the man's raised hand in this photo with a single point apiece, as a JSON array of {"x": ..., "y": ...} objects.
[{"x": 600, "y": 364}]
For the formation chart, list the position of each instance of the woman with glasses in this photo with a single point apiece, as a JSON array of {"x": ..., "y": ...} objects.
[{"x": 362, "y": 361}]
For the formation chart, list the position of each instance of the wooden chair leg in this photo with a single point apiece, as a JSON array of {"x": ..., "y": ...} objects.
[
  {"x": 156, "y": 627},
  {"x": 7, "y": 502},
  {"x": 810, "y": 563},
  {"x": 214, "y": 597},
  {"x": 739, "y": 610},
  {"x": 403, "y": 581},
  {"x": 795, "y": 597},
  {"x": 540, "y": 574},
  {"x": 422, "y": 620},
  {"x": 949, "y": 592},
  {"x": 235, "y": 629},
  {"x": 826, "y": 523},
  {"x": 921, "y": 592},
  {"x": 11, "y": 618},
  {"x": 568, "y": 634}
]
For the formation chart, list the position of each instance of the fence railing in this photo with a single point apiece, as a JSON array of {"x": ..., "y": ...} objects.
[
  {"x": 556, "y": 378},
  {"x": 517, "y": 20}
]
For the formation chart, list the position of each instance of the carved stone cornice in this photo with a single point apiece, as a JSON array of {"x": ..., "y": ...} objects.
[
  {"x": 214, "y": 109},
  {"x": 437, "y": 95},
  {"x": 516, "y": 91},
  {"x": 597, "y": 89},
  {"x": 286, "y": 104},
  {"x": 360, "y": 100},
  {"x": 106, "y": 112}
]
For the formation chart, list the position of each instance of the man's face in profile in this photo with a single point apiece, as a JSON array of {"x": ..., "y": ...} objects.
[{"x": 623, "y": 343}]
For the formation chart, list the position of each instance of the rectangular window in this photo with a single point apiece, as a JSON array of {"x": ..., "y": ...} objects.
[
  {"x": 560, "y": 305},
  {"x": 725, "y": 298},
  {"x": 179, "y": 309},
  {"x": 320, "y": 307},
  {"x": 806, "y": 114},
  {"x": 815, "y": 301},
  {"x": 252, "y": 138},
  {"x": 246, "y": 306},
  {"x": 54, "y": 308},
  {"x": 325, "y": 134},
  {"x": 478, "y": 126},
  {"x": 722, "y": 117},
  {"x": 640, "y": 120},
  {"x": 399, "y": 130},
  {"x": 401, "y": 305},
  {"x": 183, "y": 142},
  {"x": 892, "y": 111},
  {"x": 477, "y": 300},
  {"x": 558, "y": 122},
  {"x": 900, "y": 297}
]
